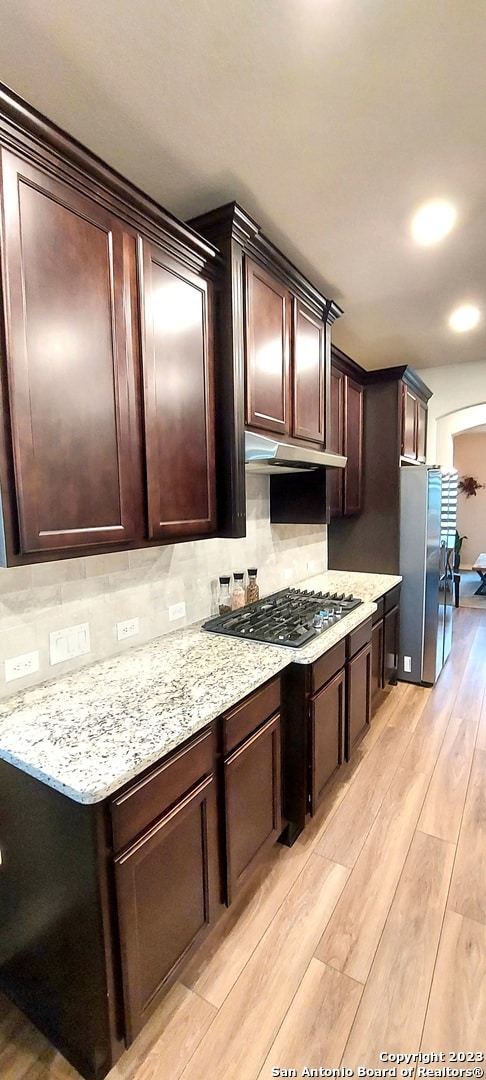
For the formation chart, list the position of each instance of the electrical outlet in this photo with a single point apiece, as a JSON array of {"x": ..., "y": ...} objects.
[
  {"x": 407, "y": 663},
  {"x": 66, "y": 644},
  {"x": 18, "y": 666},
  {"x": 177, "y": 611},
  {"x": 127, "y": 629},
  {"x": 287, "y": 573}
]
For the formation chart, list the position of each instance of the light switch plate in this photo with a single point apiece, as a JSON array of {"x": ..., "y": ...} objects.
[{"x": 68, "y": 643}]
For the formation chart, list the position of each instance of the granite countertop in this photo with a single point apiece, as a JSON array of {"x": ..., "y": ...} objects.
[{"x": 88, "y": 733}]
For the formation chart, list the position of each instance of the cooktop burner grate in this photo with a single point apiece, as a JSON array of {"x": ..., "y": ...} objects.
[{"x": 291, "y": 617}]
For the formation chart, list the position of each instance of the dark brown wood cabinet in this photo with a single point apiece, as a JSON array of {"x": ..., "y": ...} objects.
[
  {"x": 285, "y": 360},
  {"x": 309, "y": 376},
  {"x": 178, "y": 398},
  {"x": 384, "y": 645},
  {"x": 327, "y": 709},
  {"x": 377, "y": 653},
  {"x": 353, "y": 447},
  {"x": 391, "y": 631},
  {"x": 313, "y": 721},
  {"x": 251, "y": 782},
  {"x": 107, "y": 379},
  {"x": 358, "y": 705},
  {"x": 166, "y": 895},
  {"x": 421, "y": 430},
  {"x": 394, "y": 420},
  {"x": 414, "y": 425},
  {"x": 336, "y": 441},
  {"x": 346, "y": 438},
  {"x": 274, "y": 344},
  {"x": 69, "y": 384},
  {"x": 101, "y": 904},
  {"x": 268, "y": 306}
]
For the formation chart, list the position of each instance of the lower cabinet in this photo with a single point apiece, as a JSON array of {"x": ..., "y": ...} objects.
[
  {"x": 313, "y": 719},
  {"x": 384, "y": 645},
  {"x": 358, "y": 684},
  {"x": 391, "y": 630},
  {"x": 251, "y": 772},
  {"x": 358, "y": 710},
  {"x": 167, "y": 879},
  {"x": 376, "y": 664},
  {"x": 134, "y": 882},
  {"x": 326, "y": 736}
]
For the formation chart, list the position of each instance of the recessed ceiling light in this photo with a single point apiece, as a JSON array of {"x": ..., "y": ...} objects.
[
  {"x": 433, "y": 221},
  {"x": 465, "y": 317}
]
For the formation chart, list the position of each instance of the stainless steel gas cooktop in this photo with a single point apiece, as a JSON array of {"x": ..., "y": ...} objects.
[{"x": 291, "y": 617}]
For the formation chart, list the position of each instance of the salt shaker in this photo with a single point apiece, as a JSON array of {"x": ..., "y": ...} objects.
[{"x": 238, "y": 592}]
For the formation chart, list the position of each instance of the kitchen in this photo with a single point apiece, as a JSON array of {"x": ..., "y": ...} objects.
[{"x": 82, "y": 585}]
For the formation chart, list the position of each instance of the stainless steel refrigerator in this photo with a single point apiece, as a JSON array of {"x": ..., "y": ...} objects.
[{"x": 426, "y": 565}]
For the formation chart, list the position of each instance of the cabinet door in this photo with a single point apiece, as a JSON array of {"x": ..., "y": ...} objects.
[
  {"x": 358, "y": 697},
  {"x": 421, "y": 430},
  {"x": 377, "y": 659},
  {"x": 167, "y": 890},
  {"x": 308, "y": 381},
  {"x": 178, "y": 395},
  {"x": 336, "y": 443},
  {"x": 326, "y": 736},
  {"x": 391, "y": 638},
  {"x": 252, "y": 786},
  {"x": 268, "y": 314},
  {"x": 353, "y": 446},
  {"x": 67, "y": 370},
  {"x": 409, "y": 423}
]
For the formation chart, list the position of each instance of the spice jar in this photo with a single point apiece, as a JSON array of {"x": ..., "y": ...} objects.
[
  {"x": 224, "y": 596},
  {"x": 238, "y": 592},
  {"x": 252, "y": 590}
]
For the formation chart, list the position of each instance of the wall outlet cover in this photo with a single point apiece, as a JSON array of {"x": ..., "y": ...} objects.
[
  {"x": 177, "y": 611},
  {"x": 19, "y": 666},
  {"x": 129, "y": 628}
]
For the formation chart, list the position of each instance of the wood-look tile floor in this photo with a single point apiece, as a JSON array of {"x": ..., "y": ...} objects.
[{"x": 367, "y": 937}]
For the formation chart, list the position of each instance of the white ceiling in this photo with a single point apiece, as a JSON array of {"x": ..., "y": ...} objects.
[{"x": 329, "y": 120}]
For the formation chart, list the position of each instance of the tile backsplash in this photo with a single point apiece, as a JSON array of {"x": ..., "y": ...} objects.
[{"x": 103, "y": 590}]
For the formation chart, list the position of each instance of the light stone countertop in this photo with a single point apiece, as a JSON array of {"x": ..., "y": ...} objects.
[{"x": 88, "y": 733}]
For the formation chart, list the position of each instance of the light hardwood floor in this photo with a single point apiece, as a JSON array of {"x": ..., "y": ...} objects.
[{"x": 367, "y": 937}]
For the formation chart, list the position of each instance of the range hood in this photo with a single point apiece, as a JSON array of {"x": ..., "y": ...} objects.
[{"x": 264, "y": 455}]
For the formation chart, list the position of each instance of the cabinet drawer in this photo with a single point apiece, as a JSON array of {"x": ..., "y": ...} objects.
[
  {"x": 380, "y": 609},
  {"x": 146, "y": 800},
  {"x": 392, "y": 598},
  {"x": 358, "y": 638},
  {"x": 327, "y": 666},
  {"x": 249, "y": 714}
]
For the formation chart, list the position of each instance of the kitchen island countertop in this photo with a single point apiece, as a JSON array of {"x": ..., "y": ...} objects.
[{"x": 88, "y": 733}]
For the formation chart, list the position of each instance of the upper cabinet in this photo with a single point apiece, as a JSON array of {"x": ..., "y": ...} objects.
[
  {"x": 274, "y": 365},
  {"x": 267, "y": 351},
  {"x": 285, "y": 360},
  {"x": 394, "y": 428},
  {"x": 107, "y": 429},
  {"x": 414, "y": 424},
  {"x": 67, "y": 372},
  {"x": 178, "y": 402},
  {"x": 346, "y": 437},
  {"x": 309, "y": 376}
]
